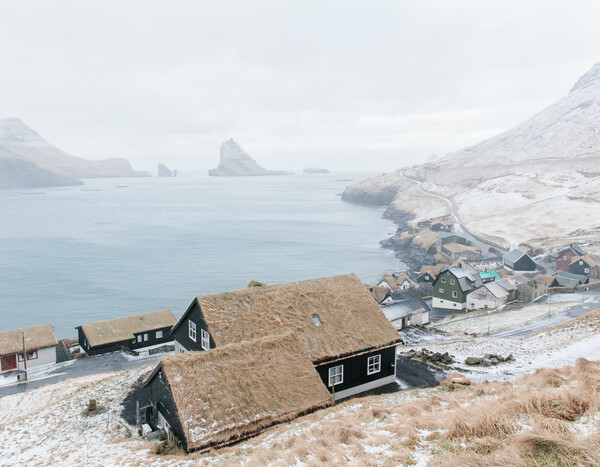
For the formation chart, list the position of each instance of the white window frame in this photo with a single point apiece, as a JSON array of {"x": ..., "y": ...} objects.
[
  {"x": 204, "y": 339},
  {"x": 146, "y": 337},
  {"x": 336, "y": 375},
  {"x": 192, "y": 330},
  {"x": 586, "y": 270},
  {"x": 159, "y": 334},
  {"x": 441, "y": 290},
  {"x": 452, "y": 282},
  {"x": 443, "y": 280},
  {"x": 454, "y": 294},
  {"x": 374, "y": 364},
  {"x": 139, "y": 338}
]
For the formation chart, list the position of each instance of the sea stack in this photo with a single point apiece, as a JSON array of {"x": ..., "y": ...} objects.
[
  {"x": 236, "y": 162},
  {"x": 164, "y": 171}
]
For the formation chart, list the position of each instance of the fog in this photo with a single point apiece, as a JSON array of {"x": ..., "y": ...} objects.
[{"x": 338, "y": 84}]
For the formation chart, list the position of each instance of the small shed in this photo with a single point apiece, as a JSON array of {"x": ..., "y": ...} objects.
[
  {"x": 489, "y": 276},
  {"x": 408, "y": 312},
  {"x": 567, "y": 279},
  {"x": 40, "y": 348},
  {"x": 518, "y": 260},
  {"x": 130, "y": 332},
  {"x": 211, "y": 399}
]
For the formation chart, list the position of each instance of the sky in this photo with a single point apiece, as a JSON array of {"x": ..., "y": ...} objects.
[{"x": 345, "y": 85}]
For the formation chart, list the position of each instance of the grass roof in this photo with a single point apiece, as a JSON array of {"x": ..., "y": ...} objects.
[
  {"x": 232, "y": 392},
  {"x": 122, "y": 329},
  {"x": 36, "y": 337},
  {"x": 350, "y": 319}
]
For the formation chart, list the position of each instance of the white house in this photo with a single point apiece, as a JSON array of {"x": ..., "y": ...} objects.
[
  {"x": 37, "y": 342},
  {"x": 491, "y": 295}
]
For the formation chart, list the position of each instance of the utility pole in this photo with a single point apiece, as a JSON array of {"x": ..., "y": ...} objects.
[{"x": 24, "y": 355}]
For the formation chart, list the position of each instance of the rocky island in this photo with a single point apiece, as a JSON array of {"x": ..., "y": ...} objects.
[
  {"x": 164, "y": 171},
  {"x": 236, "y": 162},
  {"x": 315, "y": 170},
  {"x": 29, "y": 161}
]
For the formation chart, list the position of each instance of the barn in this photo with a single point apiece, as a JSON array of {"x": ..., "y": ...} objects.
[
  {"x": 37, "y": 342},
  {"x": 129, "y": 332},
  {"x": 211, "y": 399},
  {"x": 344, "y": 332}
]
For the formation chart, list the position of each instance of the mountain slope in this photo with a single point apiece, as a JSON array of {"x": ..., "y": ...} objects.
[
  {"x": 19, "y": 141},
  {"x": 536, "y": 185},
  {"x": 17, "y": 173}
]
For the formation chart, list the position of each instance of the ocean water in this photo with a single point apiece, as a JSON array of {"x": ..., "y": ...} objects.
[{"x": 74, "y": 255}]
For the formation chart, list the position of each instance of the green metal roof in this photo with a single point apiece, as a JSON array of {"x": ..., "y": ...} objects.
[{"x": 489, "y": 275}]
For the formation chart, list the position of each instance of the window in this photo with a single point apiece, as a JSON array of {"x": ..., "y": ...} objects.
[
  {"x": 443, "y": 280},
  {"x": 586, "y": 270},
  {"x": 139, "y": 338},
  {"x": 426, "y": 277},
  {"x": 374, "y": 364},
  {"x": 204, "y": 339},
  {"x": 483, "y": 291},
  {"x": 145, "y": 337},
  {"x": 32, "y": 355},
  {"x": 441, "y": 290},
  {"x": 159, "y": 334},
  {"x": 192, "y": 330},
  {"x": 454, "y": 294},
  {"x": 316, "y": 319},
  {"x": 336, "y": 375},
  {"x": 580, "y": 263},
  {"x": 452, "y": 282},
  {"x": 565, "y": 258}
]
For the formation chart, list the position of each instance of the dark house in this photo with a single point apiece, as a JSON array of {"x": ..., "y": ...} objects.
[
  {"x": 567, "y": 279},
  {"x": 131, "y": 332},
  {"x": 344, "y": 332},
  {"x": 441, "y": 225},
  {"x": 429, "y": 273},
  {"x": 565, "y": 257},
  {"x": 452, "y": 286},
  {"x": 518, "y": 260},
  {"x": 211, "y": 399},
  {"x": 584, "y": 266}
]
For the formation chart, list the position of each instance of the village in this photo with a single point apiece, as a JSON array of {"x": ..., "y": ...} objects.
[{"x": 236, "y": 363}]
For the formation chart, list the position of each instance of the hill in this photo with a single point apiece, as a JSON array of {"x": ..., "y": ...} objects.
[
  {"x": 28, "y": 150},
  {"x": 536, "y": 184}
]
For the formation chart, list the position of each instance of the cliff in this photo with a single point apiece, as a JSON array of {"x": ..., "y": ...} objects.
[
  {"x": 16, "y": 173},
  {"x": 164, "y": 171},
  {"x": 237, "y": 162},
  {"x": 19, "y": 141}
]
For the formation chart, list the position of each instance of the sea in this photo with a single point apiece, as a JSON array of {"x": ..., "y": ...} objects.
[{"x": 117, "y": 247}]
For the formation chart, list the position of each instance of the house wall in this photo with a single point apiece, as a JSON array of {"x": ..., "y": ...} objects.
[
  {"x": 45, "y": 356},
  {"x": 181, "y": 334},
  {"x": 128, "y": 343},
  {"x": 158, "y": 393},
  {"x": 524, "y": 263},
  {"x": 477, "y": 300},
  {"x": 356, "y": 379},
  {"x": 564, "y": 259},
  {"x": 419, "y": 318},
  {"x": 577, "y": 268},
  {"x": 445, "y": 299}
]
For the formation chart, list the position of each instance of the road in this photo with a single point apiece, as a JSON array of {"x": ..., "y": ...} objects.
[
  {"x": 115, "y": 361},
  {"x": 458, "y": 227}
]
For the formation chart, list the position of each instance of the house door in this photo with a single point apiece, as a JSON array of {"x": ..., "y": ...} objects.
[{"x": 9, "y": 363}]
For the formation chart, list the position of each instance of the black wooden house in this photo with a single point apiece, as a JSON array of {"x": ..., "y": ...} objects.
[
  {"x": 518, "y": 260},
  {"x": 345, "y": 334},
  {"x": 130, "y": 332}
]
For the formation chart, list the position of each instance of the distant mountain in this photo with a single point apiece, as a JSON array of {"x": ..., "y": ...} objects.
[
  {"x": 237, "y": 162},
  {"x": 20, "y": 142}
]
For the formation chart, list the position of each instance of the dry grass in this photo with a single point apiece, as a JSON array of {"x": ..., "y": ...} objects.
[{"x": 535, "y": 420}]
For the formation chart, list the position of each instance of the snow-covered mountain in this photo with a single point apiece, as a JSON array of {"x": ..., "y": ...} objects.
[
  {"x": 537, "y": 184},
  {"x": 568, "y": 129},
  {"x": 19, "y": 142}
]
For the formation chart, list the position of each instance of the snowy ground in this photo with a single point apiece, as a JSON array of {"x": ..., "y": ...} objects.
[
  {"x": 481, "y": 322},
  {"x": 46, "y": 426}
]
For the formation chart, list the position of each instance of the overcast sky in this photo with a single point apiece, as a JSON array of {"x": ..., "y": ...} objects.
[{"x": 337, "y": 84}]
